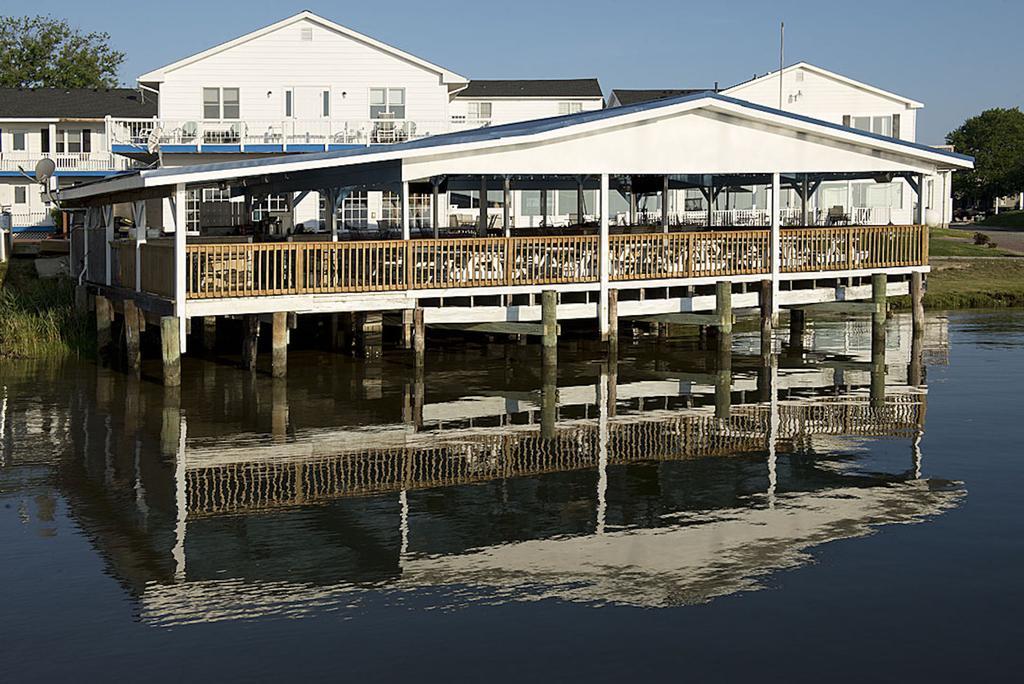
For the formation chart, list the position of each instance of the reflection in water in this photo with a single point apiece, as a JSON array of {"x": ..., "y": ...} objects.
[{"x": 667, "y": 476}]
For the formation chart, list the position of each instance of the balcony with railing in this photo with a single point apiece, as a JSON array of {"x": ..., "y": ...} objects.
[
  {"x": 67, "y": 163},
  {"x": 265, "y": 135}
]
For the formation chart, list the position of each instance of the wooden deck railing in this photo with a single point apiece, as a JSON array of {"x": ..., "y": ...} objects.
[
  {"x": 267, "y": 269},
  {"x": 852, "y": 247},
  {"x": 689, "y": 255}
]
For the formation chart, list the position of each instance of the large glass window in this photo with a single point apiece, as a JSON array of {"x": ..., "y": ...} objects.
[
  {"x": 354, "y": 210},
  {"x": 387, "y": 103},
  {"x": 531, "y": 203},
  {"x": 325, "y": 102},
  {"x": 391, "y": 209},
  {"x": 878, "y": 195}
]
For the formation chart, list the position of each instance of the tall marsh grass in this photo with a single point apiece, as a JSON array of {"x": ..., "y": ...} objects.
[{"x": 38, "y": 317}]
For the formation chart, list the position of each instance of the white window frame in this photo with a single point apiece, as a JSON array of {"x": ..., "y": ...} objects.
[
  {"x": 14, "y": 141},
  {"x": 23, "y": 191},
  {"x": 474, "y": 111},
  {"x": 62, "y": 142},
  {"x": 387, "y": 103},
  {"x": 569, "y": 107},
  {"x": 220, "y": 103},
  {"x": 325, "y": 103},
  {"x": 288, "y": 103}
]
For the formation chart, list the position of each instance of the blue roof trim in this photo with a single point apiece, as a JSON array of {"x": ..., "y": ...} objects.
[{"x": 536, "y": 126}]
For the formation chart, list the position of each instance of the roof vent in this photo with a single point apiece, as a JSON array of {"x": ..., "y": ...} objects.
[{"x": 307, "y": 33}]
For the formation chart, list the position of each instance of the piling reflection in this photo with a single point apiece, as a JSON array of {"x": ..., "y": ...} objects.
[{"x": 655, "y": 476}]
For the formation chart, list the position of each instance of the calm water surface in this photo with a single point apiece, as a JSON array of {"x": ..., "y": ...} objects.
[{"x": 651, "y": 517}]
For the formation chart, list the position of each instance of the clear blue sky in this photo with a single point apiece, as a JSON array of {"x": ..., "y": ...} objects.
[{"x": 957, "y": 57}]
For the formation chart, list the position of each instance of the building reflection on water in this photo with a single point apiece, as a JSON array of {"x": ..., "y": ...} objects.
[{"x": 651, "y": 479}]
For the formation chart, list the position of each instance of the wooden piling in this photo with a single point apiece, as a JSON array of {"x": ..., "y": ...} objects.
[
  {"x": 104, "y": 321},
  {"x": 613, "y": 316},
  {"x": 879, "y": 284},
  {"x": 209, "y": 333},
  {"x": 132, "y": 330},
  {"x": 723, "y": 306},
  {"x": 549, "y": 319},
  {"x": 766, "y": 307},
  {"x": 407, "y": 329},
  {"x": 797, "y": 327},
  {"x": 419, "y": 333},
  {"x": 170, "y": 349},
  {"x": 279, "y": 345},
  {"x": 250, "y": 341}
]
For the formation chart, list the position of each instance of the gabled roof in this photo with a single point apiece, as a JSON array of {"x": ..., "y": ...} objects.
[
  {"x": 629, "y": 97},
  {"x": 515, "y": 135},
  {"x": 806, "y": 66},
  {"x": 74, "y": 103},
  {"x": 576, "y": 87},
  {"x": 447, "y": 76}
]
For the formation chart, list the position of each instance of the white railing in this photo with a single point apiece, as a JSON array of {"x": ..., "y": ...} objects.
[
  {"x": 29, "y": 219},
  {"x": 283, "y": 132},
  {"x": 85, "y": 161}
]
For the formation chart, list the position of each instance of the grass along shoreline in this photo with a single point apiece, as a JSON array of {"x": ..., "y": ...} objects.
[
  {"x": 38, "y": 317},
  {"x": 972, "y": 283}
]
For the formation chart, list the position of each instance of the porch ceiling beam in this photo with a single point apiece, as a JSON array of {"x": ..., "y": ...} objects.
[
  {"x": 122, "y": 197},
  {"x": 375, "y": 174}
]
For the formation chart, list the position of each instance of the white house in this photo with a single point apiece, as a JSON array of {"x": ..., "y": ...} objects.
[
  {"x": 307, "y": 84},
  {"x": 66, "y": 126},
  {"x": 809, "y": 90}
]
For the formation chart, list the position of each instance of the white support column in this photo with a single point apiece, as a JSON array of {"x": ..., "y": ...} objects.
[
  {"x": 921, "y": 201},
  {"x": 108, "y": 222},
  {"x": 506, "y": 205},
  {"x": 331, "y": 213},
  {"x": 775, "y": 243},
  {"x": 87, "y": 228},
  {"x": 180, "y": 231},
  {"x": 602, "y": 310},
  {"x": 139, "y": 215},
  {"x": 406, "y": 223}
]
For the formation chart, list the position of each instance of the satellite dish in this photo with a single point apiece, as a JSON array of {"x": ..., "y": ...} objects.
[
  {"x": 45, "y": 168},
  {"x": 153, "y": 140}
]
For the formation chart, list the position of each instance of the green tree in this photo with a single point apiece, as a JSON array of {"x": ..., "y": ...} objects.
[
  {"x": 44, "y": 52},
  {"x": 995, "y": 138}
]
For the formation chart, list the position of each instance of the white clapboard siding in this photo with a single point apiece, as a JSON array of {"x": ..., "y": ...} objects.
[
  {"x": 266, "y": 65},
  {"x": 508, "y": 110},
  {"x": 823, "y": 97}
]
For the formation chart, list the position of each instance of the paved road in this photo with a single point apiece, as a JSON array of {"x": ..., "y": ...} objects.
[{"x": 1007, "y": 238}]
